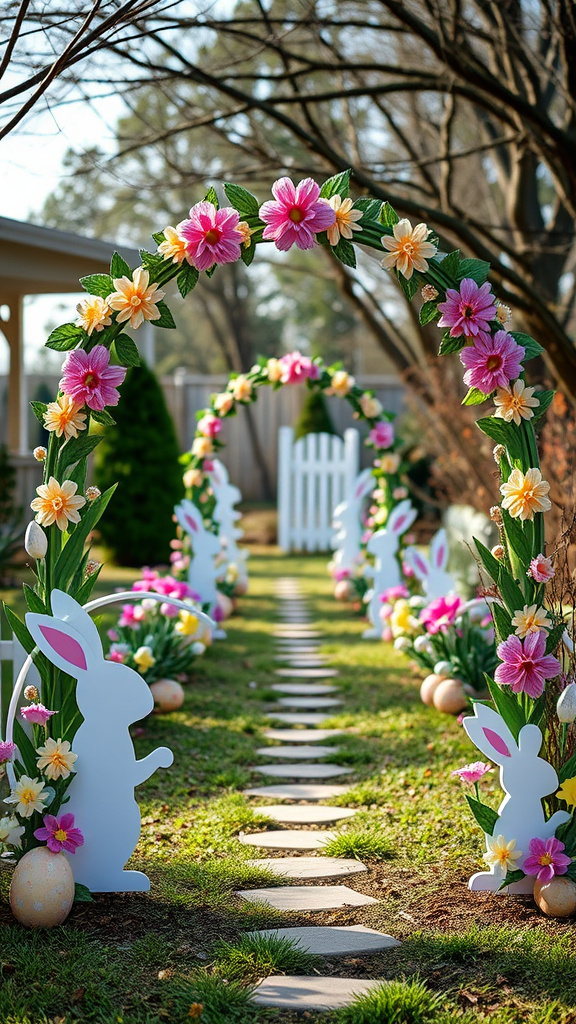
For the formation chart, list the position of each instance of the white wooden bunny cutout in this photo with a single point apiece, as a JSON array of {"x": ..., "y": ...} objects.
[
  {"x": 525, "y": 778},
  {"x": 205, "y": 546},
  {"x": 227, "y": 495},
  {"x": 347, "y": 523},
  {"x": 386, "y": 572},
  {"x": 431, "y": 570},
  {"x": 110, "y": 698}
]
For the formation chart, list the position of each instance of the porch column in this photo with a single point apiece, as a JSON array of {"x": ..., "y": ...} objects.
[{"x": 17, "y": 397}]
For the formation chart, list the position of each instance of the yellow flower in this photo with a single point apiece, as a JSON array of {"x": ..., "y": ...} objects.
[
  {"x": 524, "y": 495},
  {"x": 515, "y": 403},
  {"x": 389, "y": 463},
  {"x": 94, "y": 314},
  {"x": 193, "y": 478},
  {"x": 567, "y": 792},
  {"x": 173, "y": 247},
  {"x": 371, "y": 407},
  {"x": 188, "y": 624},
  {"x": 57, "y": 504},
  {"x": 402, "y": 620},
  {"x": 202, "y": 446},
  {"x": 408, "y": 248},
  {"x": 342, "y": 383},
  {"x": 241, "y": 388},
  {"x": 135, "y": 299},
  {"x": 28, "y": 796},
  {"x": 64, "y": 417},
  {"x": 274, "y": 370},
  {"x": 502, "y": 853},
  {"x": 530, "y": 620},
  {"x": 246, "y": 231},
  {"x": 56, "y": 759},
  {"x": 144, "y": 659},
  {"x": 223, "y": 403},
  {"x": 344, "y": 225}
]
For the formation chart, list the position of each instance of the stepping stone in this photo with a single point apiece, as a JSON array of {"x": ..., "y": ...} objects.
[
  {"x": 296, "y": 633},
  {"x": 303, "y": 718},
  {"x": 309, "y": 867},
  {"x": 298, "y": 791},
  {"x": 309, "y": 702},
  {"x": 288, "y": 648},
  {"x": 307, "y": 673},
  {"x": 302, "y": 771},
  {"x": 304, "y": 814},
  {"x": 305, "y": 689},
  {"x": 302, "y": 735},
  {"x": 292, "y": 992},
  {"x": 307, "y": 661},
  {"x": 332, "y": 941},
  {"x": 303, "y": 751},
  {"x": 289, "y": 839},
  {"x": 308, "y": 897}
]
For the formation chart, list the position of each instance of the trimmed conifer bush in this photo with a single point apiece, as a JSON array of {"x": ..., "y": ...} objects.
[
  {"x": 141, "y": 453},
  {"x": 314, "y": 416}
]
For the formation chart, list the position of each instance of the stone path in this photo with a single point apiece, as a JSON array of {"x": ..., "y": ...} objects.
[{"x": 297, "y": 643}]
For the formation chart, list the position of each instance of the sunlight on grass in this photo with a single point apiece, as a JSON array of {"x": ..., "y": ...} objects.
[
  {"x": 256, "y": 956},
  {"x": 396, "y": 1002}
]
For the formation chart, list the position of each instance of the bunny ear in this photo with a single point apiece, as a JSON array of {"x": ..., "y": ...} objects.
[
  {"x": 63, "y": 645},
  {"x": 364, "y": 483},
  {"x": 417, "y": 562},
  {"x": 439, "y": 550},
  {"x": 489, "y": 732},
  {"x": 530, "y": 740},
  {"x": 401, "y": 517}
]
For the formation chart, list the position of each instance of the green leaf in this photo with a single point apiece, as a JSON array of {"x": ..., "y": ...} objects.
[
  {"x": 371, "y": 209},
  {"x": 502, "y": 620},
  {"x": 510, "y": 590},
  {"x": 537, "y": 710},
  {"x": 103, "y": 417},
  {"x": 82, "y": 893},
  {"x": 75, "y": 449},
  {"x": 571, "y": 871},
  {"x": 451, "y": 264},
  {"x": 474, "y": 397},
  {"x": 568, "y": 771},
  {"x": 476, "y": 270},
  {"x": 152, "y": 261},
  {"x": 545, "y": 398},
  {"x": 65, "y": 337},
  {"x": 344, "y": 251},
  {"x": 211, "y": 197},
  {"x": 338, "y": 185},
  {"x": 248, "y": 254},
  {"x": 511, "y": 877},
  {"x": 516, "y": 537},
  {"x": 119, "y": 267},
  {"x": 507, "y": 704},
  {"x": 242, "y": 200},
  {"x": 408, "y": 285},
  {"x": 126, "y": 351},
  {"x": 98, "y": 284},
  {"x": 491, "y": 564},
  {"x": 25, "y": 639},
  {"x": 554, "y": 637},
  {"x": 39, "y": 408},
  {"x": 485, "y": 816},
  {"x": 83, "y": 593},
  {"x": 35, "y": 603},
  {"x": 449, "y": 345},
  {"x": 566, "y": 833},
  {"x": 528, "y": 343},
  {"x": 504, "y": 433},
  {"x": 387, "y": 215},
  {"x": 158, "y": 236},
  {"x": 165, "y": 319},
  {"x": 72, "y": 551},
  {"x": 428, "y": 312},
  {"x": 187, "y": 279},
  {"x": 28, "y": 755}
]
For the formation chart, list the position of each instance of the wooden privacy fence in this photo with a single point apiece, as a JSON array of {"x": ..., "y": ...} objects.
[{"x": 315, "y": 474}]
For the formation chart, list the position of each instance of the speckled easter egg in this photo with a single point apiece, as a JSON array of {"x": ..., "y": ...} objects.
[
  {"x": 225, "y": 605},
  {"x": 556, "y": 898},
  {"x": 168, "y": 695},
  {"x": 429, "y": 687},
  {"x": 344, "y": 590},
  {"x": 449, "y": 697},
  {"x": 241, "y": 586},
  {"x": 42, "y": 889}
]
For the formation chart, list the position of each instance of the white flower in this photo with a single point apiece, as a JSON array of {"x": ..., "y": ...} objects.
[
  {"x": 10, "y": 831},
  {"x": 35, "y": 540},
  {"x": 566, "y": 706}
]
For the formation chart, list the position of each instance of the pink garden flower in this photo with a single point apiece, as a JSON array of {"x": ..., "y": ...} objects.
[
  {"x": 60, "y": 833},
  {"x": 116, "y": 655},
  {"x": 296, "y": 214},
  {"x": 546, "y": 859},
  {"x": 395, "y": 593},
  {"x": 472, "y": 773},
  {"x": 127, "y": 617},
  {"x": 525, "y": 666},
  {"x": 469, "y": 311},
  {"x": 7, "y": 751},
  {"x": 382, "y": 435},
  {"x": 209, "y": 425},
  {"x": 541, "y": 569},
  {"x": 297, "y": 368},
  {"x": 36, "y": 714},
  {"x": 211, "y": 235},
  {"x": 441, "y": 613},
  {"x": 88, "y": 378},
  {"x": 492, "y": 361}
]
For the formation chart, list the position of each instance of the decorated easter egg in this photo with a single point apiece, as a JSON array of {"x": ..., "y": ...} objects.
[
  {"x": 42, "y": 889},
  {"x": 168, "y": 695},
  {"x": 344, "y": 590},
  {"x": 449, "y": 697},
  {"x": 241, "y": 586},
  {"x": 225, "y": 605},
  {"x": 429, "y": 687},
  {"x": 556, "y": 898}
]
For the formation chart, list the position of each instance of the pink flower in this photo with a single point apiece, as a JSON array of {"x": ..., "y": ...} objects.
[
  {"x": 468, "y": 311},
  {"x": 60, "y": 833},
  {"x": 7, "y": 751},
  {"x": 407, "y": 570},
  {"x": 441, "y": 613},
  {"x": 546, "y": 859},
  {"x": 395, "y": 593},
  {"x": 387, "y": 634},
  {"x": 296, "y": 368},
  {"x": 492, "y": 361},
  {"x": 211, "y": 235},
  {"x": 541, "y": 569},
  {"x": 382, "y": 435},
  {"x": 341, "y": 574},
  {"x": 112, "y": 635},
  {"x": 210, "y": 425},
  {"x": 127, "y": 617},
  {"x": 525, "y": 667},
  {"x": 297, "y": 215},
  {"x": 169, "y": 610},
  {"x": 116, "y": 655},
  {"x": 88, "y": 378},
  {"x": 36, "y": 714},
  {"x": 472, "y": 773}
]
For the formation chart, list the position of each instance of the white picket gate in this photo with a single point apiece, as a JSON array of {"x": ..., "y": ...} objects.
[{"x": 315, "y": 474}]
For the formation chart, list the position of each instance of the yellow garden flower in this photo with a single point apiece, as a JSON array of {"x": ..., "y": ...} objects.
[
  {"x": 57, "y": 504},
  {"x": 144, "y": 659},
  {"x": 402, "y": 620},
  {"x": 202, "y": 447},
  {"x": 274, "y": 370},
  {"x": 530, "y": 620},
  {"x": 344, "y": 226},
  {"x": 135, "y": 299},
  {"x": 241, "y": 388},
  {"x": 502, "y": 853},
  {"x": 515, "y": 403},
  {"x": 173, "y": 247},
  {"x": 188, "y": 624},
  {"x": 94, "y": 314},
  {"x": 193, "y": 477},
  {"x": 28, "y": 796},
  {"x": 341, "y": 385},
  {"x": 408, "y": 248},
  {"x": 525, "y": 494},
  {"x": 246, "y": 231},
  {"x": 371, "y": 407},
  {"x": 567, "y": 792},
  {"x": 64, "y": 417},
  {"x": 56, "y": 759},
  {"x": 389, "y": 463}
]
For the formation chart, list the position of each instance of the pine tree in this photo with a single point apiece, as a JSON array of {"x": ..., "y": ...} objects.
[
  {"x": 141, "y": 453},
  {"x": 314, "y": 416}
]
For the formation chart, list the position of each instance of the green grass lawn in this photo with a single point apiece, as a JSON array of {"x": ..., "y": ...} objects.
[{"x": 179, "y": 953}]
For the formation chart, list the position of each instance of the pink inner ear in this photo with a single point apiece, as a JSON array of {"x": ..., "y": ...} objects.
[
  {"x": 440, "y": 556},
  {"x": 421, "y": 565},
  {"x": 497, "y": 742},
  {"x": 65, "y": 646},
  {"x": 399, "y": 523},
  {"x": 192, "y": 524}
]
